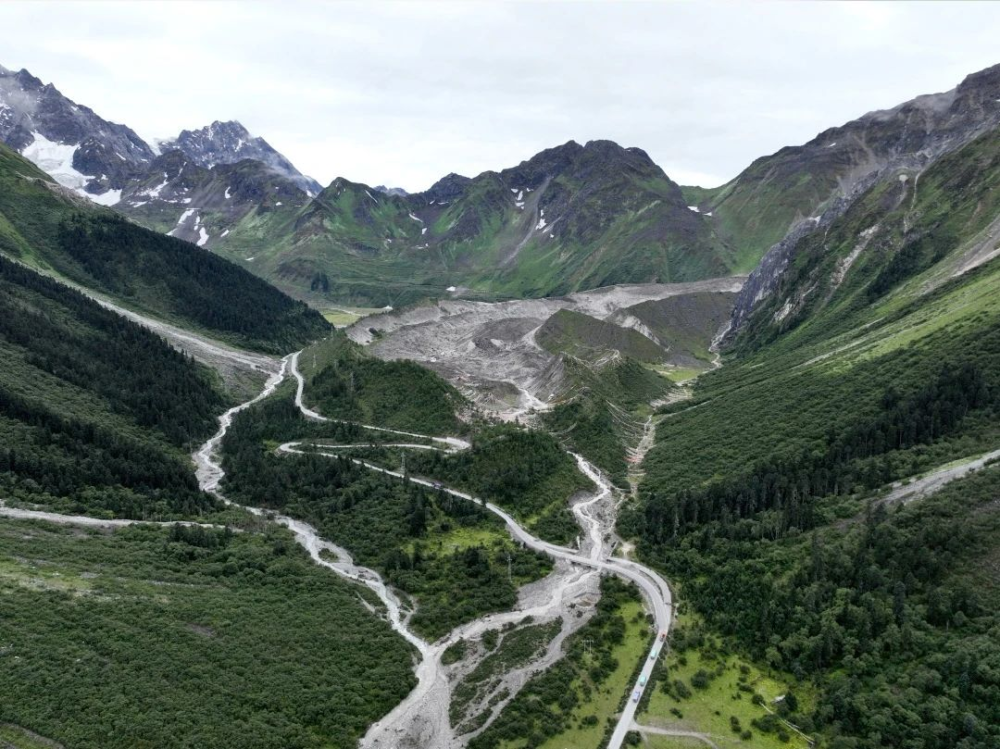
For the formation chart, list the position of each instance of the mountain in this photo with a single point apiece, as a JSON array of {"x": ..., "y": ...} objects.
[
  {"x": 52, "y": 228},
  {"x": 179, "y": 197},
  {"x": 797, "y": 499},
  {"x": 98, "y": 417},
  {"x": 899, "y": 245},
  {"x": 684, "y": 325},
  {"x": 230, "y": 143},
  {"x": 392, "y": 190},
  {"x": 571, "y": 217},
  {"x": 78, "y": 148},
  {"x": 220, "y": 168},
  {"x": 781, "y": 198}
]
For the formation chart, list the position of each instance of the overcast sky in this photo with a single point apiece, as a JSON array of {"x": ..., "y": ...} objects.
[{"x": 401, "y": 93}]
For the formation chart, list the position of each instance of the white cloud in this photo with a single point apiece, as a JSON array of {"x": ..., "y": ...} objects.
[{"x": 401, "y": 93}]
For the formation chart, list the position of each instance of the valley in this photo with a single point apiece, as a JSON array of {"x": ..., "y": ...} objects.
[{"x": 560, "y": 455}]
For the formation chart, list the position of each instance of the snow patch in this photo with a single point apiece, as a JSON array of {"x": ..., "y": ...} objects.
[
  {"x": 417, "y": 219},
  {"x": 228, "y": 196},
  {"x": 111, "y": 197},
  {"x": 155, "y": 191},
  {"x": 57, "y": 160},
  {"x": 202, "y": 236},
  {"x": 423, "y": 231},
  {"x": 540, "y": 225},
  {"x": 180, "y": 222},
  {"x": 693, "y": 208},
  {"x": 451, "y": 289},
  {"x": 372, "y": 197},
  {"x": 224, "y": 233}
]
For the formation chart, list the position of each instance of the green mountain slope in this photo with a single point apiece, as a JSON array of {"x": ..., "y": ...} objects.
[
  {"x": 585, "y": 337},
  {"x": 684, "y": 325},
  {"x": 132, "y": 638},
  {"x": 43, "y": 225},
  {"x": 96, "y": 413},
  {"x": 111, "y": 634},
  {"x": 776, "y": 192},
  {"x": 901, "y": 240},
  {"x": 871, "y": 362},
  {"x": 572, "y": 217}
]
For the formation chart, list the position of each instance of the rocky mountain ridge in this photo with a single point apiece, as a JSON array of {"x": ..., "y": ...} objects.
[
  {"x": 111, "y": 165},
  {"x": 841, "y": 164},
  {"x": 570, "y": 217},
  {"x": 229, "y": 143},
  {"x": 70, "y": 141}
]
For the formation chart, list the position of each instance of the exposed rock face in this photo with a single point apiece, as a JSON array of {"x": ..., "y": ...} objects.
[
  {"x": 220, "y": 167},
  {"x": 80, "y": 149},
  {"x": 230, "y": 143},
  {"x": 851, "y": 158}
]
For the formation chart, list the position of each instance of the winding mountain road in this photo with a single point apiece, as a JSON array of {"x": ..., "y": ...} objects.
[{"x": 653, "y": 587}]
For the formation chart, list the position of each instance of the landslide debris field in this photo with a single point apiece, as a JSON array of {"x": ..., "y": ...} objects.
[{"x": 492, "y": 353}]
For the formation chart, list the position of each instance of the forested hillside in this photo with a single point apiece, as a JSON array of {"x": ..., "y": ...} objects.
[
  {"x": 522, "y": 470},
  {"x": 131, "y": 637},
  {"x": 347, "y": 382},
  {"x": 174, "y": 637},
  {"x": 43, "y": 226},
  {"x": 96, "y": 413},
  {"x": 446, "y": 552}
]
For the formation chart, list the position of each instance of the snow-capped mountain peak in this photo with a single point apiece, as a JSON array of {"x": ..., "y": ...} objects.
[
  {"x": 78, "y": 148},
  {"x": 230, "y": 142}
]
